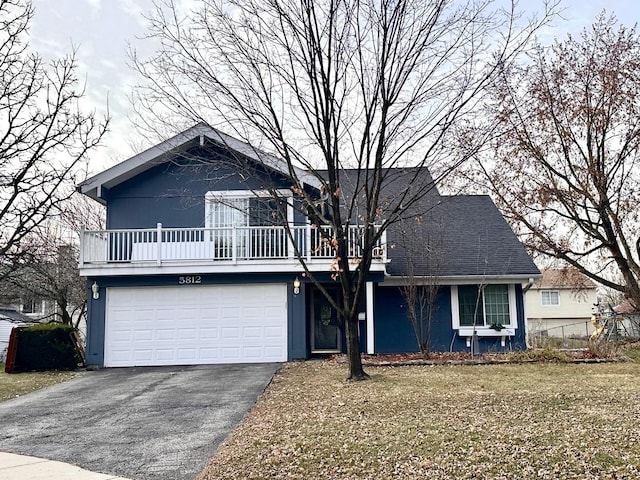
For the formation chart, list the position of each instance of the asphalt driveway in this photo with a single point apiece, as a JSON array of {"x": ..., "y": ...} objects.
[{"x": 141, "y": 423}]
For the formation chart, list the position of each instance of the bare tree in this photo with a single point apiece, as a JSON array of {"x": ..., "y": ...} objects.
[
  {"x": 44, "y": 136},
  {"x": 344, "y": 89},
  {"x": 567, "y": 164},
  {"x": 420, "y": 291},
  {"x": 49, "y": 266}
]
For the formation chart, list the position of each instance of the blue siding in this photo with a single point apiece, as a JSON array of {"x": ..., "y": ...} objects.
[
  {"x": 394, "y": 332},
  {"x": 296, "y": 323},
  {"x": 94, "y": 352},
  {"x": 173, "y": 193}
]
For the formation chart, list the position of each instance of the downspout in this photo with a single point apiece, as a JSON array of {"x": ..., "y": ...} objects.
[{"x": 526, "y": 288}]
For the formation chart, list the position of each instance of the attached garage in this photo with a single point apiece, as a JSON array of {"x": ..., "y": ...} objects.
[{"x": 195, "y": 324}]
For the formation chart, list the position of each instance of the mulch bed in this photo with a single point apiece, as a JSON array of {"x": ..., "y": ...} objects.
[{"x": 465, "y": 358}]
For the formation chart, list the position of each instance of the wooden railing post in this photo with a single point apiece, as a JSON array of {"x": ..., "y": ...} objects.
[
  {"x": 383, "y": 245},
  {"x": 159, "y": 243},
  {"x": 83, "y": 243},
  {"x": 291, "y": 239},
  {"x": 234, "y": 244},
  {"x": 308, "y": 241}
]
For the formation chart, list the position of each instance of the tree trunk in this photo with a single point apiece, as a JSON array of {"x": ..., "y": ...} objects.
[{"x": 356, "y": 372}]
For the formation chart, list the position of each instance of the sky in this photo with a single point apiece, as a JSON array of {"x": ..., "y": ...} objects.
[{"x": 101, "y": 30}]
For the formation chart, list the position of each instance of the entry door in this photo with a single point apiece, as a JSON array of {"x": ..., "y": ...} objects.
[{"x": 326, "y": 336}]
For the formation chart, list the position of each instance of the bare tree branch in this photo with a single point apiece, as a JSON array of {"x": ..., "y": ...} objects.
[
  {"x": 566, "y": 169},
  {"x": 44, "y": 135},
  {"x": 345, "y": 90}
]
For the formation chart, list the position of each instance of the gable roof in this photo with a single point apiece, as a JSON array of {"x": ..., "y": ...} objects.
[
  {"x": 164, "y": 151},
  {"x": 563, "y": 278},
  {"x": 446, "y": 236},
  {"x": 626, "y": 307},
  {"x": 459, "y": 236}
]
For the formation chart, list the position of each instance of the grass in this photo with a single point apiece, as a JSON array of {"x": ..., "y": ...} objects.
[
  {"x": 541, "y": 421},
  {"x": 17, "y": 384}
]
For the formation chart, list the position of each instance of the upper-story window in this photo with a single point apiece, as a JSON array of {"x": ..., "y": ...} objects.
[
  {"x": 242, "y": 224},
  {"x": 33, "y": 305},
  {"x": 483, "y": 305},
  {"x": 550, "y": 298},
  {"x": 245, "y": 208}
]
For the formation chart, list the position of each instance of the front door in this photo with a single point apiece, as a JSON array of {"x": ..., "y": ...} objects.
[{"x": 326, "y": 336}]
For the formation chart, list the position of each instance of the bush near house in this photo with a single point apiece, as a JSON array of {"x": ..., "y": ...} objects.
[{"x": 46, "y": 347}]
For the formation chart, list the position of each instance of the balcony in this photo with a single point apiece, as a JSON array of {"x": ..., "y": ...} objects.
[{"x": 216, "y": 250}]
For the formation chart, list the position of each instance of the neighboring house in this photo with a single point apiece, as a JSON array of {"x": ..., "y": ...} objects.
[
  {"x": 10, "y": 318},
  {"x": 192, "y": 268},
  {"x": 631, "y": 318},
  {"x": 37, "y": 308},
  {"x": 560, "y": 304}
]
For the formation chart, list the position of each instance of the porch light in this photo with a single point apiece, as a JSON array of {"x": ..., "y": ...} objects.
[
  {"x": 296, "y": 286},
  {"x": 96, "y": 290}
]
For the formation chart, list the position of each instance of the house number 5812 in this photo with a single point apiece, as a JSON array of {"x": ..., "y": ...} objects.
[{"x": 189, "y": 280}]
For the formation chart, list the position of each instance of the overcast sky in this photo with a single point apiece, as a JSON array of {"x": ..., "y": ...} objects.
[{"x": 101, "y": 29}]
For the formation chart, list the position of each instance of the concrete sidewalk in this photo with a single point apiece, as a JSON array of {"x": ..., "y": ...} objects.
[{"x": 20, "y": 467}]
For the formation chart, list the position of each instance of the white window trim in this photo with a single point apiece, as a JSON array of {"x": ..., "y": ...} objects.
[
  {"x": 41, "y": 308},
  {"x": 549, "y": 304},
  {"x": 222, "y": 195},
  {"x": 483, "y": 330}
]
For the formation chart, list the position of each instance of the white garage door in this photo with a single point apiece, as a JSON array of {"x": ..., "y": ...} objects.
[{"x": 191, "y": 325}]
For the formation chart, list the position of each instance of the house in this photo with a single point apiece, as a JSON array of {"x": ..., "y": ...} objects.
[
  {"x": 192, "y": 267},
  {"x": 630, "y": 315},
  {"x": 560, "y": 304},
  {"x": 10, "y": 318}
]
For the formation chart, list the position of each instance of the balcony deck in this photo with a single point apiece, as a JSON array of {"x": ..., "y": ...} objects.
[{"x": 216, "y": 250}]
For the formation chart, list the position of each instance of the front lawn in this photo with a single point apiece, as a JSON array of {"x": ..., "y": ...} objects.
[
  {"x": 16, "y": 384},
  {"x": 542, "y": 421}
]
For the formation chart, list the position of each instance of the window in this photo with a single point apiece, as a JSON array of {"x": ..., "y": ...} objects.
[
  {"x": 550, "y": 298},
  {"x": 244, "y": 209},
  {"x": 243, "y": 222},
  {"x": 489, "y": 305},
  {"x": 33, "y": 305}
]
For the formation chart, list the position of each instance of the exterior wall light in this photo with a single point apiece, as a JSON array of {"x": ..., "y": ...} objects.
[
  {"x": 296, "y": 286},
  {"x": 96, "y": 290}
]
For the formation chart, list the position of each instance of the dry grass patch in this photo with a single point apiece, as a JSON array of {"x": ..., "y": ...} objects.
[
  {"x": 542, "y": 421},
  {"x": 17, "y": 384}
]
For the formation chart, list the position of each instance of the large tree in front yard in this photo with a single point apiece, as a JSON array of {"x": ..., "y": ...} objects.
[
  {"x": 567, "y": 164},
  {"x": 44, "y": 134},
  {"x": 341, "y": 89}
]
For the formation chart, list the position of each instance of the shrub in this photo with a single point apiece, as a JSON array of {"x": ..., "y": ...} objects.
[
  {"x": 539, "y": 355},
  {"x": 46, "y": 347},
  {"x": 604, "y": 349}
]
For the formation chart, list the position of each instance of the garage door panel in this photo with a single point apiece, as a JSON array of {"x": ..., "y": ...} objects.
[
  {"x": 165, "y": 334},
  {"x": 209, "y": 333},
  {"x": 164, "y": 354},
  {"x": 195, "y": 325}
]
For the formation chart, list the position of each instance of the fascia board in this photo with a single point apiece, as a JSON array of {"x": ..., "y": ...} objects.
[{"x": 147, "y": 159}]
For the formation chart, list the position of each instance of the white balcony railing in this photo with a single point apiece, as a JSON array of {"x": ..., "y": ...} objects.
[{"x": 234, "y": 244}]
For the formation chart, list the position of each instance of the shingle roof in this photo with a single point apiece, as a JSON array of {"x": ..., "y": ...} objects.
[
  {"x": 626, "y": 307},
  {"x": 14, "y": 316},
  {"x": 462, "y": 235},
  {"x": 563, "y": 278}
]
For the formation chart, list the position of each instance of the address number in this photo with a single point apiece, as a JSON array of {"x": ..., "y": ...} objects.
[{"x": 189, "y": 280}]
